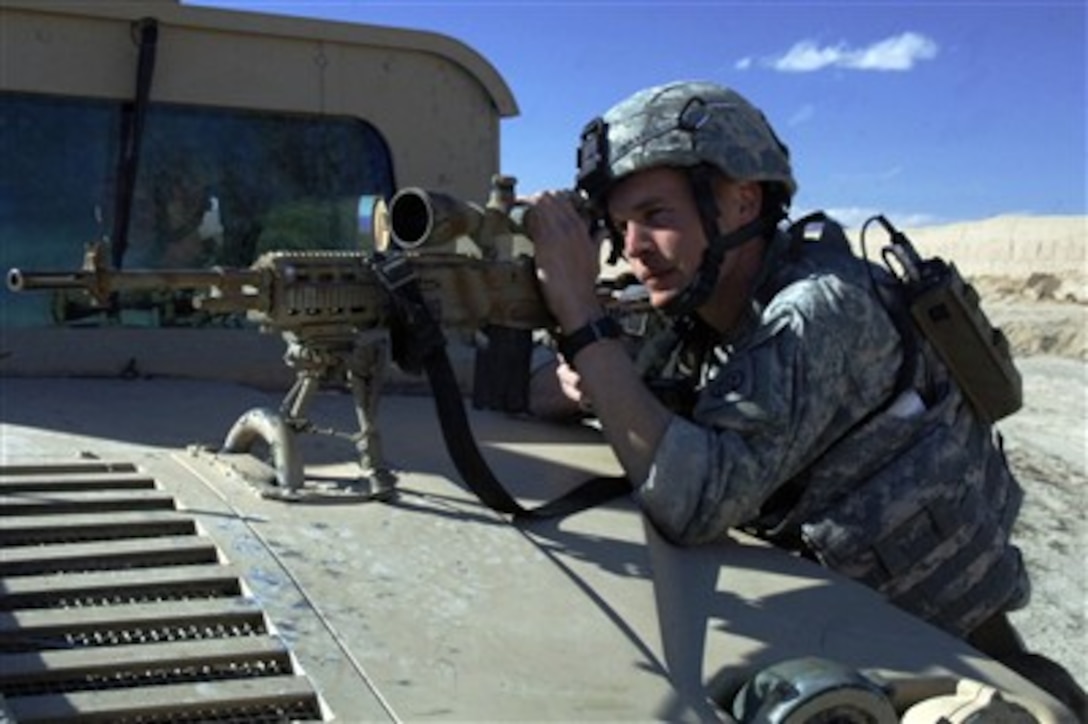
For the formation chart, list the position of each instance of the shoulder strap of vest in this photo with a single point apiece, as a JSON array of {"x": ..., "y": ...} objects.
[{"x": 828, "y": 233}]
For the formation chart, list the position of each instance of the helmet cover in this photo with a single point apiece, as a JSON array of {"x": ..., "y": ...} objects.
[{"x": 682, "y": 124}]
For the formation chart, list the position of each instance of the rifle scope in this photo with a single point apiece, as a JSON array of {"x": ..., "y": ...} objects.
[{"x": 418, "y": 217}]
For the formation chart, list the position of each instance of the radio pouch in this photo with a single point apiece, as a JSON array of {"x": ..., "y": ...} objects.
[{"x": 948, "y": 312}]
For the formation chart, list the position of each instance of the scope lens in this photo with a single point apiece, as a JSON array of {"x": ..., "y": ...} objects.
[{"x": 409, "y": 220}]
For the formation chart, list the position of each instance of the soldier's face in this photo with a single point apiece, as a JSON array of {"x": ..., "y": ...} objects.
[
  {"x": 662, "y": 238},
  {"x": 662, "y": 234}
]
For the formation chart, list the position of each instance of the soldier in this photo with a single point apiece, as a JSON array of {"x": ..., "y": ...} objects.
[{"x": 806, "y": 417}]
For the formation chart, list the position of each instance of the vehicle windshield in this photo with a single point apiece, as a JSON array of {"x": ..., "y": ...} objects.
[{"x": 215, "y": 187}]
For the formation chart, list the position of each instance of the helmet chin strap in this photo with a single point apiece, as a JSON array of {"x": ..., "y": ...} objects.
[{"x": 698, "y": 291}]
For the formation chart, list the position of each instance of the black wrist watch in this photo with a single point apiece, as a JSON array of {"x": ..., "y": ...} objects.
[{"x": 573, "y": 343}]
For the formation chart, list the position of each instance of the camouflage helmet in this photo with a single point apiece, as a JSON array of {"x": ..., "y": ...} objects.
[{"x": 682, "y": 124}]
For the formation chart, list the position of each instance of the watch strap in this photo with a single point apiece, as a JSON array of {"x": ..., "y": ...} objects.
[{"x": 570, "y": 345}]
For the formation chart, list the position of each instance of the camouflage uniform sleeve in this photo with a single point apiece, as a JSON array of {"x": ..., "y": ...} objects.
[{"x": 824, "y": 354}]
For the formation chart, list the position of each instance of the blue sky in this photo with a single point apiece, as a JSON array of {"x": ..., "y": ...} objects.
[{"x": 928, "y": 111}]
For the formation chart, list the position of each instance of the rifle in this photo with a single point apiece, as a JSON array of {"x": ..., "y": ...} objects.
[{"x": 341, "y": 313}]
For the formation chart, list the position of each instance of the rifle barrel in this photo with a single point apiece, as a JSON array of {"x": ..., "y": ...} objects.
[
  {"x": 101, "y": 283},
  {"x": 19, "y": 281}
]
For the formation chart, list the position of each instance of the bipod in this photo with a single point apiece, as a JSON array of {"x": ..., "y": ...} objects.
[{"x": 359, "y": 362}]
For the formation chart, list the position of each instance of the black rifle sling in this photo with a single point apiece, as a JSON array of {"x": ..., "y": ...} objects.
[
  {"x": 474, "y": 469},
  {"x": 424, "y": 345}
]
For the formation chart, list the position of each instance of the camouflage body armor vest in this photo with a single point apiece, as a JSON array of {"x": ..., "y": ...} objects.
[
  {"x": 925, "y": 519},
  {"x": 915, "y": 500}
]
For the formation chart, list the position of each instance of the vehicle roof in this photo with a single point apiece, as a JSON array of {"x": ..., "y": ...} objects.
[
  {"x": 433, "y": 606},
  {"x": 176, "y": 13}
]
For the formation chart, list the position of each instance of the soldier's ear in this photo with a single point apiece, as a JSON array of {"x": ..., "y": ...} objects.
[
  {"x": 750, "y": 195},
  {"x": 743, "y": 198}
]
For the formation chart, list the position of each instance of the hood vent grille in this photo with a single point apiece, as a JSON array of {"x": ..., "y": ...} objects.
[{"x": 114, "y": 607}]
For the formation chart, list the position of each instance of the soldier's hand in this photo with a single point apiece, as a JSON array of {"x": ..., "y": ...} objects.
[{"x": 567, "y": 258}]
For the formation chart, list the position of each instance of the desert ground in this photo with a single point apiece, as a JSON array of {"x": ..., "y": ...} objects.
[{"x": 1032, "y": 275}]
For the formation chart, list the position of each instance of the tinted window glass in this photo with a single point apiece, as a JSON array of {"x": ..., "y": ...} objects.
[{"x": 214, "y": 187}]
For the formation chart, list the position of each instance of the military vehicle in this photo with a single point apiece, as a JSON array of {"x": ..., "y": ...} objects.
[{"x": 152, "y": 572}]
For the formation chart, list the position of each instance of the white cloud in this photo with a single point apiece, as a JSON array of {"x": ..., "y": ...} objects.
[
  {"x": 806, "y": 56},
  {"x": 898, "y": 53}
]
